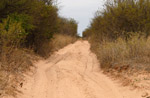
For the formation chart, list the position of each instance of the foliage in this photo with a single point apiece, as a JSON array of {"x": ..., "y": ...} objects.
[
  {"x": 12, "y": 31},
  {"x": 38, "y": 18},
  {"x": 67, "y": 26},
  {"x": 121, "y": 17}
]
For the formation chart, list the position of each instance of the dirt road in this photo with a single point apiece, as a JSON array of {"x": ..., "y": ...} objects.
[{"x": 73, "y": 72}]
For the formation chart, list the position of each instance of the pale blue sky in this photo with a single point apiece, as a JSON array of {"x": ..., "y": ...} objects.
[{"x": 81, "y": 10}]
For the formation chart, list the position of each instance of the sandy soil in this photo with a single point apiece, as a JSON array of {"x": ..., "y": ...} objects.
[{"x": 73, "y": 72}]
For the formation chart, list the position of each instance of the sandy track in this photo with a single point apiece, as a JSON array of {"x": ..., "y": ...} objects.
[{"x": 73, "y": 72}]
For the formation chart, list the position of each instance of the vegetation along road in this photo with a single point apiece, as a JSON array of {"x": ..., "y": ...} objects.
[{"x": 73, "y": 72}]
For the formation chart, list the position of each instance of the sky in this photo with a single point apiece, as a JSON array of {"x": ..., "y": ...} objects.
[{"x": 80, "y": 10}]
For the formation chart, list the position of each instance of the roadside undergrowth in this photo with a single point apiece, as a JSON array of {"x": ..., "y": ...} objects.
[
  {"x": 14, "y": 64},
  {"x": 127, "y": 60},
  {"x": 59, "y": 41}
]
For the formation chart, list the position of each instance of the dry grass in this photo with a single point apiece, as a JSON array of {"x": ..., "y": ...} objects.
[
  {"x": 133, "y": 53},
  {"x": 59, "y": 41},
  {"x": 125, "y": 60},
  {"x": 13, "y": 64}
]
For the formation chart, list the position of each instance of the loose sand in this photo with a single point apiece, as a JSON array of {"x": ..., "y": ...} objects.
[{"x": 73, "y": 72}]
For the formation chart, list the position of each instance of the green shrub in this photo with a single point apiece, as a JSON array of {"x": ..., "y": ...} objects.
[{"x": 12, "y": 32}]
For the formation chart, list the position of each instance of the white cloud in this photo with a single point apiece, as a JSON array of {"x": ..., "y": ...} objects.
[{"x": 81, "y": 10}]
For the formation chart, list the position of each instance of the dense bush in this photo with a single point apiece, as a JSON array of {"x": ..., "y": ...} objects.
[
  {"x": 120, "y": 17},
  {"x": 13, "y": 30},
  {"x": 38, "y": 18}
]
